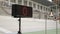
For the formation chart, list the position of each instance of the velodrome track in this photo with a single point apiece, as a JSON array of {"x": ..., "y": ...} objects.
[{"x": 9, "y": 24}]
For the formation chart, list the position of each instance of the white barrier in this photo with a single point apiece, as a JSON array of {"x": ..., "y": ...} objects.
[{"x": 27, "y": 24}]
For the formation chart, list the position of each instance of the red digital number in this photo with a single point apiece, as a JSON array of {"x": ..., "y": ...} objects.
[{"x": 24, "y": 11}]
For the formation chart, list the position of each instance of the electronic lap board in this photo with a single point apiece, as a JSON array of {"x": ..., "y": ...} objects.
[{"x": 21, "y": 11}]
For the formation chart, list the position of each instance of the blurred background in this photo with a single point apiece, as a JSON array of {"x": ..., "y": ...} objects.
[{"x": 43, "y": 21}]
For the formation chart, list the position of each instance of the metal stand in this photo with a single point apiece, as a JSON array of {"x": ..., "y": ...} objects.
[{"x": 19, "y": 32}]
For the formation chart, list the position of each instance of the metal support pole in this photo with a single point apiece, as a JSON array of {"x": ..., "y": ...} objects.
[
  {"x": 56, "y": 28},
  {"x": 56, "y": 22},
  {"x": 45, "y": 24},
  {"x": 19, "y": 32}
]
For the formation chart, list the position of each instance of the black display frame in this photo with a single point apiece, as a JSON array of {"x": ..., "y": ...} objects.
[{"x": 18, "y": 10}]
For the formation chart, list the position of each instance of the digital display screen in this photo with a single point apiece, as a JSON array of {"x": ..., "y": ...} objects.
[{"x": 21, "y": 11}]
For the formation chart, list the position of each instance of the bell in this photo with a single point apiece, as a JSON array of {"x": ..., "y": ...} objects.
[{"x": 51, "y": 14}]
